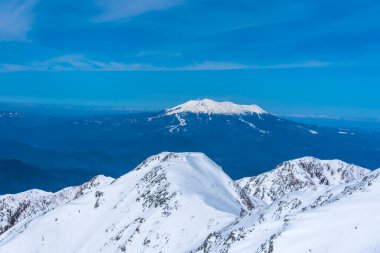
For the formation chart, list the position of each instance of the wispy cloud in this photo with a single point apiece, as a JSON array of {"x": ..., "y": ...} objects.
[
  {"x": 113, "y": 10},
  {"x": 16, "y": 17},
  {"x": 212, "y": 65},
  {"x": 306, "y": 64},
  {"x": 74, "y": 63},
  {"x": 81, "y": 63}
]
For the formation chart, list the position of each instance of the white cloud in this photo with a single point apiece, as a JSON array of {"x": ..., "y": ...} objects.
[
  {"x": 113, "y": 10},
  {"x": 81, "y": 63},
  {"x": 16, "y": 19}
]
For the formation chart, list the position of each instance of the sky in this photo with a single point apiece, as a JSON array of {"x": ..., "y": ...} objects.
[{"x": 295, "y": 57}]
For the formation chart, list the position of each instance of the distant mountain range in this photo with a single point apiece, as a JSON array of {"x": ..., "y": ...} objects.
[
  {"x": 184, "y": 202},
  {"x": 16, "y": 176},
  {"x": 244, "y": 139}
]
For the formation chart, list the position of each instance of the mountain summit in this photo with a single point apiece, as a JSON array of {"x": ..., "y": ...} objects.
[
  {"x": 170, "y": 203},
  {"x": 208, "y": 106}
]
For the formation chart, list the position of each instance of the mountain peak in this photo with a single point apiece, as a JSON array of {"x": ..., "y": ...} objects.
[
  {"x": 169, "y": 203},
  {"x": 208, "y": 106}
]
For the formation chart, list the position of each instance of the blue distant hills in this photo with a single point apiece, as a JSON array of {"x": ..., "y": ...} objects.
[{"x": 244, "y": 140}]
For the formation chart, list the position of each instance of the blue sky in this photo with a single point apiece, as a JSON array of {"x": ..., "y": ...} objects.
[{"x": 296, "y": 56}]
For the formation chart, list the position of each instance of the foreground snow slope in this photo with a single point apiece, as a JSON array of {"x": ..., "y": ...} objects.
[
  {"x": 24, "y": 206},
  {"x": 342, "y": 219},
  {"x": 349, "y": 224},
  {"x": 170, "y": 203},
  {"x": 183, "y": 202}
]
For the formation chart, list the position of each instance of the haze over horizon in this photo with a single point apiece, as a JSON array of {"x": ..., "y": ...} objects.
[{"x": 292, "y": 110}]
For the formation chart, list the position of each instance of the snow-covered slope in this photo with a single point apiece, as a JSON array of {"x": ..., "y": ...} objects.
[
  {"x": 342, "y": 219},
  {"x": 22, "y": 207},
  {"x": 300, "y": 174},
  {"x": 169, "y": 203},
  {"x": 208, "y": 106},
  {"x": 183, "y": 202}
]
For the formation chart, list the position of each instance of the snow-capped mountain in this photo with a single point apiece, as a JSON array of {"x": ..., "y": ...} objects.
[
  {"x": 208, "y": 106},
  {"x": 244, "y": 139},
  {"x": 184, "y": 202}
]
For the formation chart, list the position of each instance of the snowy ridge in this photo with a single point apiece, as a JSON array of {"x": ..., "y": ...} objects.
[
  {"x": 16, "y": 208},
  {"x": 208, "y": 106},
  {"x": 300, "y": 174},
  {"x": 184, "y": 202}
]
